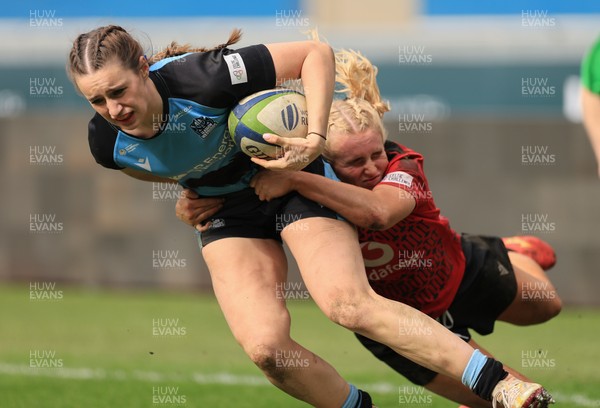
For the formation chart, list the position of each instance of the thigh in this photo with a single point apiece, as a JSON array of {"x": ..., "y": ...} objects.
[
  {"x": 536, "y": 300},
  {"x": 245, "y": 273},
  {"x": 328, "y": 255}
]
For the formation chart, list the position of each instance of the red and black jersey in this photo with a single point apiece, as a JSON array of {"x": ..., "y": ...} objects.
[{"x": 419, "y": 261}]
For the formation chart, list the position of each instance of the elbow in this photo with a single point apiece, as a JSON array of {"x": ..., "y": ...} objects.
[
  {"x": 325, "y": 51},
  {"x": 328, "y": 52},
  {"x": 377, "y": 219}
]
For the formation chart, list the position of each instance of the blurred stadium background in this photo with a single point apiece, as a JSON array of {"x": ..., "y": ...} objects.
[{"x": 487, "y": 91}]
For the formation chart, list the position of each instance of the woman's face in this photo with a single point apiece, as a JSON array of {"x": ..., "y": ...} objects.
[
  {"x": 118, "y": 94},
  {"x": 359, "y": 158}
]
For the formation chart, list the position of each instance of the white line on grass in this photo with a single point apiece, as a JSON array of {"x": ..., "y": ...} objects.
[{"x": 82, "y": 373}]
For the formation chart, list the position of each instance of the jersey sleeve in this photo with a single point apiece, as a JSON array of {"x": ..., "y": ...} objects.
[
  {"x": 102, "y": 137},
  {"x": 219, "y": 78},
  {"x": 406, "y": 174},
  {"x": 590, "y": 68}
]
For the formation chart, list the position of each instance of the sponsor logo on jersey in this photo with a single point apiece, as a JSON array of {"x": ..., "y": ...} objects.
[
  {"x": 203, "y": 126},
  {"x": 144, "y": 164},
  {"x": 376, "y": 254},
  {"x": 182, "y": 112},
  {"x": 128, "y": 149},
  {"x": 290, "y": 116},
  {"x": 237, "y": 69},
  {"x": 399, "y": 177}
]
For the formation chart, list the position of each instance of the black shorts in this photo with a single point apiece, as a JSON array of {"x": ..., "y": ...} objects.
[
  {"x": 243, "y": 215},
  {"x": 488, "y": 287}
]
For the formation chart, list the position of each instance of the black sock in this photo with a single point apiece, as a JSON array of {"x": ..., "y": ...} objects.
[
  {"x": 491, "y": 373},
  {"x": 365, "y": 400}
]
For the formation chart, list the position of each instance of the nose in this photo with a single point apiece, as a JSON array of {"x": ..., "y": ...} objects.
[
  {"x": 114, "y": 108},
  {"x": 370, "y": 169}
]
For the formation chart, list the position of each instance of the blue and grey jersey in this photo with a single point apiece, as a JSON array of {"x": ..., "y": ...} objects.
[{"x": 192, "y": 146}]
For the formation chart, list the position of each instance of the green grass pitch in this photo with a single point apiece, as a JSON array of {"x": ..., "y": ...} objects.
[{"x": 162, "y": 350}]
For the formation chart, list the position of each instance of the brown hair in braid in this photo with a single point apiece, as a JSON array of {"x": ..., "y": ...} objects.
[
  {"x": 174, "y": 48},
  {"x": 363, "y": 108},
  {"x": 92, "y": 50}
]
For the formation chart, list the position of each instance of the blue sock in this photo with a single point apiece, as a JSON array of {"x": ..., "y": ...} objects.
[
  {"x": 353, "y": 398},
  {"x": 473, "y": 370}
]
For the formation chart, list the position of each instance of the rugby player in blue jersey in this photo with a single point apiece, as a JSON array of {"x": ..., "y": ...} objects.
[{"x": 164, "y": 119}]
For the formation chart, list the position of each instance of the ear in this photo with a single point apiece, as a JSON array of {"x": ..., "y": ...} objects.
[{"x": 144, "y": 66}]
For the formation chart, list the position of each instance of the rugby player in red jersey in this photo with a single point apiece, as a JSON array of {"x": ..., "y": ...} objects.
[{"x": 411, "y": 253}]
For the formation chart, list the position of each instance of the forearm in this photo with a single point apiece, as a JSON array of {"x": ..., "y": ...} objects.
[
  {"x": 314, "y": 64},
  {"x": 358, "y": 205},
  {"x": 318, "y": 80}
]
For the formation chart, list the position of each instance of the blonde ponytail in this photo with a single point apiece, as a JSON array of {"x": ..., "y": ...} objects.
[
  {"x": 363, "y": 107},
  {"x": 359, "y": 77}
]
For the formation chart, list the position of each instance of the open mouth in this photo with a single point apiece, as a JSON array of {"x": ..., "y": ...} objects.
[{"x": 125, "y": 118}]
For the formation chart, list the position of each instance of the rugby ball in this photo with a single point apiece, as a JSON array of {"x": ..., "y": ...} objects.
[{"x": 278, "y": 111}]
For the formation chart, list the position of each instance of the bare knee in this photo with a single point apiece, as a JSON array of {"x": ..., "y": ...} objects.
[
  {"x": 543, "y": 310},
  {"x": 350, "y": 312},
  {"x": 265, "y": 356},
  {"x": 552, "y": 309},
  {"x": 549, "y": 308}
]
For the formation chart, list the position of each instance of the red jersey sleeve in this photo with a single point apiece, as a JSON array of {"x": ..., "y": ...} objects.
[{"x": 405, "y": 171}]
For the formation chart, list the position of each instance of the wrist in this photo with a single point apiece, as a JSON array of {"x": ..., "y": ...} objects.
[
  {"x": 321, "y": 135},
  {"x": 295, "y": 180},
  {"x": 316, "y": 139}
]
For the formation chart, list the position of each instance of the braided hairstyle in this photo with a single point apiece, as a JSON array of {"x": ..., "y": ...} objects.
[
  {"x": 92, "y": 50},
  {"x": 363, "y": 108}
]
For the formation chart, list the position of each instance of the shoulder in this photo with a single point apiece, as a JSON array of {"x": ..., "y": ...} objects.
[
  {"x": 102, "y": 137},
  {"x": 217, "y": 78},
  {"x": 404, "y": 167},
  {"x": 402, "y": 157}
]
